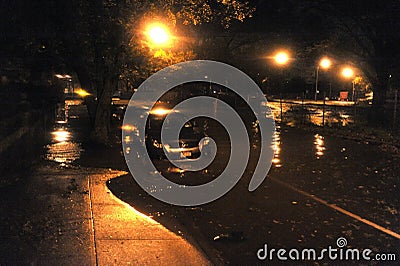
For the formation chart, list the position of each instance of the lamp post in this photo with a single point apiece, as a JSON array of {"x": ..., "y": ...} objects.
[
  {"x": 281, "y": 59},
  {"x": 324, "y": 63},
  {"x": 348, "y": 73}
]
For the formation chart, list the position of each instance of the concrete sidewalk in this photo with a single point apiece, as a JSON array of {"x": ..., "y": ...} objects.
[
  {"x": 123, "y": 236},
  {"x": 67, "y": 216}
]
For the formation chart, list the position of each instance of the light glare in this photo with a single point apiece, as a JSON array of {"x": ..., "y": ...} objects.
[
  {"x": 281, "y": 58},
  {"x": 347, "y": 72},
  {"x": 160, "y": 111},
  {"x": 82, "y": 92},
  {"x": 158, "y": 34},
  {"x": 325, "y": 63}
]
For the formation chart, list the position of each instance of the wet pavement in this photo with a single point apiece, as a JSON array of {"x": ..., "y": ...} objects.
[{"x": 63, "y": 213}]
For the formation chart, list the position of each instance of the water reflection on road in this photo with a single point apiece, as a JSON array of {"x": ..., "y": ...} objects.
[
  {"x": 296, "y": 113},
  {"x": 276, "y": 161},
  {"x": 319, "y": 145},
  {"x": 313, "y": 176},
  {"x": 354, "y": 175},
  {"x": 63, "y": 147}
]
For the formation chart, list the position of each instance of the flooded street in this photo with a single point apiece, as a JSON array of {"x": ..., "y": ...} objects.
[
  {"x": 353, "y": 175},
  {"x": 333, "y": 113},
  {"x": 319, "y": 189}
]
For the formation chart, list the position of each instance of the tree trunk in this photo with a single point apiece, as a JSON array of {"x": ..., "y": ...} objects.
[
  {"x": 377, "y": 116},
  {"x": 101, "y": 130}
]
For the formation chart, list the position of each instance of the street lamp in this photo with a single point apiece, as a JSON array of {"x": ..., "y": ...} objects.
[
  {"x": 324, "y": 63},
  {"x": 348, "y": 73},
  {"x": 281, "y": 58},
  {"x": 158, "y": 34}
]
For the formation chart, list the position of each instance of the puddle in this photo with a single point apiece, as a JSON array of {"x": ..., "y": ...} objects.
[{"x": 63, "y": 147}]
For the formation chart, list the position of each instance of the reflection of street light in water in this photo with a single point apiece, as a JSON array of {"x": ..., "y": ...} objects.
[
  {"x": 60, "y": 135},
  {"x": 277, "y": 149},
  {"x": 319, "y": 143},
  {"x": 62, "y": 149}
]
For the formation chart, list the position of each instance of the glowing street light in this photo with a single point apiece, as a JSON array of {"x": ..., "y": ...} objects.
[
  {"x": 158, "y": 34},
  {"x": 324, "y": 63},
  {"x": 348, "y": 73},
  {"x": 281, "y": 58}
]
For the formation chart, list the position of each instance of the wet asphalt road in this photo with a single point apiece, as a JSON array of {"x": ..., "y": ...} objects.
[{"x": 320, "y": 189}]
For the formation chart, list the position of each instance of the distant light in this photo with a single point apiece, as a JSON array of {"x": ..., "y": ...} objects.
[
  {"x": 82, "y": 92},
  {"x": 281, "y": 58},
  {"x": 66, "y": 76},
  {"x": 160, "y": 111},
  {"x": 325, "y": 63},
  {"x": 128, "y": 128}
]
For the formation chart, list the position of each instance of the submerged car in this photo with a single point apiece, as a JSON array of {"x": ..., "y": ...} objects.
[{"x": 189, "y": 138}]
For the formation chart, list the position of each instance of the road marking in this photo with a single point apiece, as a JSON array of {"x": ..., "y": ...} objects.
[{"x": 339, "y": 209}]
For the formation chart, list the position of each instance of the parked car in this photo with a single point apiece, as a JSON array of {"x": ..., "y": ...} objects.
[{"x": 190, "y": 136}]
